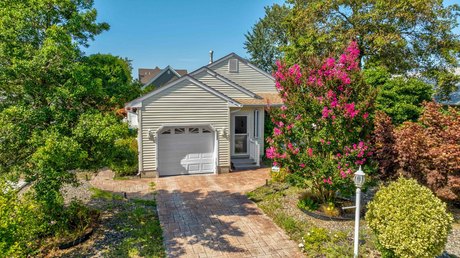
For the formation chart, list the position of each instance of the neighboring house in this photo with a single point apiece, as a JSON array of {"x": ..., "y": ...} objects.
[
  {"x": 156, "y": 77},
  {"x": 208, "y": 121},
  {"x": 159, "y": 77}
]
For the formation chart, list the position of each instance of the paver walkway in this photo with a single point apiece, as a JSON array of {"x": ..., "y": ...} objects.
[{"x": 209, "y": 215}]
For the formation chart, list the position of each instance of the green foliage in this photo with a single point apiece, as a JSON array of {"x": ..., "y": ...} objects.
[
  {"x": 308, "y": 204},
  {"x": 399, "y": 97},
  {"x": 20, "y": 223},
  {"x": 113, "y": 75},
  {"x": 124, "y": 157},
  {"x": 401, "y": 207},
  {"x": 279, "y": 176},
  {"x": 97, "y": 133},
  {"x": 50, "y": 165},
  {"x": 266, "y": 37},
  {"x": 402, "y": 36},
  {"x": 148, "y": 89},
  {"x": 318, "y": 241}
]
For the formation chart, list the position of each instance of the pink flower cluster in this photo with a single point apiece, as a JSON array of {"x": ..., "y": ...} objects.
[
  {"x": 272, "y": 154},
  {"x": 294, "y": 71},
  {"x": 327, "y": 181},
  {"x": 358, "y": 152},
  {"x": 294, "y": 150},
  {"x": 277, "y": 131},
  {"x": 350, "y": 110}
]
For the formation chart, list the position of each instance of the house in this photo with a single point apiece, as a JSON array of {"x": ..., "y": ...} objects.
[
  {"x": 208, "y": 121},
  {"x": 159, "y": 77}
]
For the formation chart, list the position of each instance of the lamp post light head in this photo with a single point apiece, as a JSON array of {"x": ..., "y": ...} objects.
[{"x": 359, "y": 178}]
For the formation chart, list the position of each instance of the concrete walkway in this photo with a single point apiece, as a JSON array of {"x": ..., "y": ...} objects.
[{"x": 209, "y": 215}]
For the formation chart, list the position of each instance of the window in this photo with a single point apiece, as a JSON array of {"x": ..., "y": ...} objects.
[
  {"x": 179, "y": 130},
  {"x": 233, "y": 65},
  {"x": 166, "y": 131},
  {"x": 206, "y": 130},
  {"x": 256, "y": 123},
  {"x": 194, "y": 130}
]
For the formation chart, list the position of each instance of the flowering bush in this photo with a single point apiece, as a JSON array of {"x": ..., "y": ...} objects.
[
  {"x": 429, "y": 150},
  {"x": 409, "y": 221},
  {"x": 322, "y": 131}
]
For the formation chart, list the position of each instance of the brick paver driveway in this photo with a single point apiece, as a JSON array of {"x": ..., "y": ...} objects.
[{"x": 209, "y": 216}]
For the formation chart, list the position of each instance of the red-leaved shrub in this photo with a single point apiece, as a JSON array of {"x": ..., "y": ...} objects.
[
  {"x": 429, "y": 150},
  {"x": 384, "y": 146}
]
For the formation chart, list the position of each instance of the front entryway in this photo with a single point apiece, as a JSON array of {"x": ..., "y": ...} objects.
[
  {"x": 240, "y": 139},
  {"x": 185, "y": 150}
]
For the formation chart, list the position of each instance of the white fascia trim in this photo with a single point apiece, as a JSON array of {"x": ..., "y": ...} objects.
[
  {"x": 244, "y": 61},
  {"x": 138, "y": 102},
  {"x": 160, "y": 73}
]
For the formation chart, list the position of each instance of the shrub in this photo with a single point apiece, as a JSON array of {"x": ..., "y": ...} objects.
[
  {"x": 384, "y": 146},
  {"x": 125, "y": 159},
  {"x": 322, "y": 132},
  {"x": 408, "y": 220},
  {"x": 21, "y": 222},
  {"x": 308, "y": 204},
  {"x": 399, "y": 97},
  {"x": 429, "y": 150},
  {"x": 278, "y": 176}
]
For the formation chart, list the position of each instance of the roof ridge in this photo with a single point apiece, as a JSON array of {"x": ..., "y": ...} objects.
[{"x": 185, "y": 77}]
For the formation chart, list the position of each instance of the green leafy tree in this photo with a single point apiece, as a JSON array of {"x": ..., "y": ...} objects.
[
  {"x": 266, "y": 36},
  {"x": 97, "y": 134},
  {"x": 400, "y": 97},
  {"x": 113, "y": 77},
  {"x": 55, "y": 102},
  {"x": 402, "y": 36}
]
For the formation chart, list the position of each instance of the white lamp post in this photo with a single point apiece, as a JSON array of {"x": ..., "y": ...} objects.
[{"x": 359, "y": 181}]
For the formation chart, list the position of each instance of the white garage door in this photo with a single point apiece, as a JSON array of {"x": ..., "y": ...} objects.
[{"x": 185, "y": 150}]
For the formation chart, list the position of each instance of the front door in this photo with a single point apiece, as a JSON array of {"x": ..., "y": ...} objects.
[{"x": 240, "y": 139}]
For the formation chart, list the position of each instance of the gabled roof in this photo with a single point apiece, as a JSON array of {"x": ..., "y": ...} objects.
[
  {"x": 225, "y": 80},
  {"x": 146, "y": 74},
  {"x": 138, "y": 102},
  {"x": 162, "y": 72},
  {"x": 233, "y": 55}
]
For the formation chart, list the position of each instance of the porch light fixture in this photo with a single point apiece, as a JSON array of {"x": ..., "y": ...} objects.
[
  {"x": 359, "y": 180},
  {"x": 151, "y": 134}
]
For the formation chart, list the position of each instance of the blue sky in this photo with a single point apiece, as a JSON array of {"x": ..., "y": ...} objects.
[{"x": 177, "y": 33}]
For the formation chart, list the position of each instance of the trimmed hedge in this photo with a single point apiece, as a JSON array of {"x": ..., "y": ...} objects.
[{"x": 408, "y": 220}]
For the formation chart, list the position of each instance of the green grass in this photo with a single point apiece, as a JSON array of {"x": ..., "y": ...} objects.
[{"x": 106, "y": 195}]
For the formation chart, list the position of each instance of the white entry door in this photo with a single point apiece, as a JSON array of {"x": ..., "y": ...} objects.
[{"x": 185, "y": 150}]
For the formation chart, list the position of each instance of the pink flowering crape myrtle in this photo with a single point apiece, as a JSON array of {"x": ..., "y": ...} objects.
[{"x": 322, "y": 131}]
